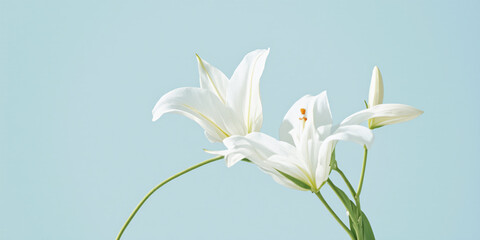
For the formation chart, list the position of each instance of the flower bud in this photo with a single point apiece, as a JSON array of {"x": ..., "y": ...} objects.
[{"x": 375, "y": 95}]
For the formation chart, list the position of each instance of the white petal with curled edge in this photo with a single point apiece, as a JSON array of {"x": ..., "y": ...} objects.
[
  {"x": 243, "y": 92},
  {"x": 354, "y": 133},
  {"x": 323, "y": 166},
  {"x": 198, "y": 104},
  {"x": 258, "y": 145},
  {"x": 212, "y": 79},
  {"x": 238, "y": 148},
  {"x": 283, "y": 164},
  {"x": 321, "y": 110},
  {"x": 384, "y": 114},
  {"x": 231, "y": 156},
  {"x": 267, "y": 153},
  {"x": 211, "y": 138},
  {"x": 285, "y": 182}
]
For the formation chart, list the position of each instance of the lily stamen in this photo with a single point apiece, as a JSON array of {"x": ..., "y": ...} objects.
[{"x": 303, "y": 118}]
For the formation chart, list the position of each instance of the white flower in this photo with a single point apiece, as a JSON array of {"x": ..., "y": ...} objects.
[
  {"x": 221, "y": 106},
  {"x": 301, "y": 158},
  {"x": 379, "y": 114}
]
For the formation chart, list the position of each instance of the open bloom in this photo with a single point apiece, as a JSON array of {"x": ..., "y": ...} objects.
[
  {"x": 301, "y": 158},
  {"x": 221, "y": 106},
  {"x": 379, "y": 114}
]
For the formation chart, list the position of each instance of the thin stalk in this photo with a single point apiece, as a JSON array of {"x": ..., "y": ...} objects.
[
  {"x": 345, "y": 179},
  {"x": 360, "y": 183},
  {"x": 334, "y": 188},
  {"x": 159, "y": 186},
  {"x": 319, "y": 195}
]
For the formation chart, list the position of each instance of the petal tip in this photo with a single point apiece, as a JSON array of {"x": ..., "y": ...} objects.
[
  {"x": 197, "y": 57},
  {"x": 155, "y": 117}
]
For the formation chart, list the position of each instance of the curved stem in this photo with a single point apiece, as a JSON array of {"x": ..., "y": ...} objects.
[
  {"x": 360, "y": 183},
  {"x": 319, "y": 195},
  {"x": 345, "y": 179},
  {"x": 159, "y": 186}
]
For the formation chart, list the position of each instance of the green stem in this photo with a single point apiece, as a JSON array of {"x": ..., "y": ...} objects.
[
  {"x": 334, "y": 188},
  {"x": 360, "y": 183},
  {"x": 319, "y": 195},
  {"x": 345, "y": 179},
  {"x": 159, "y": 186}
]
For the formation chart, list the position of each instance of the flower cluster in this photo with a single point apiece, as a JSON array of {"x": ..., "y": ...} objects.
[{"x": 231, "y": 111}]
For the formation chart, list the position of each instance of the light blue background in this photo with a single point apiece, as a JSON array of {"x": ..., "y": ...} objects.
[{"x": 78, "y": 150}]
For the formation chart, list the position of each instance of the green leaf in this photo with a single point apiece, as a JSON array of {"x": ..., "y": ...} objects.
[
  {"x": 298, "y": 182},
  {"x": 352, "y": 209},
  {"x": 352, "y": 228},
  {"x": 367, "y": 229},
  {"x": 359, "y": 224}
]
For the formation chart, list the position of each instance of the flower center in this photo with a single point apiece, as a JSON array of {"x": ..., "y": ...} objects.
[{"x": 303, "y": 118}]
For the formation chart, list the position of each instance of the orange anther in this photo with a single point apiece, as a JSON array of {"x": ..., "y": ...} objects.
[{"x": 302, "y": 110}]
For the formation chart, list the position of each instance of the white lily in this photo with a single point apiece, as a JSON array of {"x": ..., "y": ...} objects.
[
  {"x": 379, "y": 114},
  {"x": 301, "y": 158},
  {"x": 221, "y": 106}
]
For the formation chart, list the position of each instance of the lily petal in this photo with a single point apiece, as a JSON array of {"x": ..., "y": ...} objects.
[
  {"x": 384, "y": 114},
  {"x": 231, "y": 157},
  {"x": 259, "y": 144},
  {"x": 286, "y": 173},
  {"x": 285, "y": 182},
  {"x": 354, "y": 133},
  {"x": 308, "y": 147},
  {"x": 394, "y": 113},
  {"x": 198, "y": 104},
  {"x": 212, "y": 79},
  {"x": 321, "y": 110},
  {"x": 317, "y": 113},
  {"x": 323, "y": 166},
  {"x": 243, "y": 92},
  {"x": 291, "y": 121},
  {"x": 320, "y": 115},
  {"x": 271, "y": 155}
]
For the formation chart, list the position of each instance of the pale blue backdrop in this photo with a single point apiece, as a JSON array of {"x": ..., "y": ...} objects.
[{"x": 78, "y": 150}]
